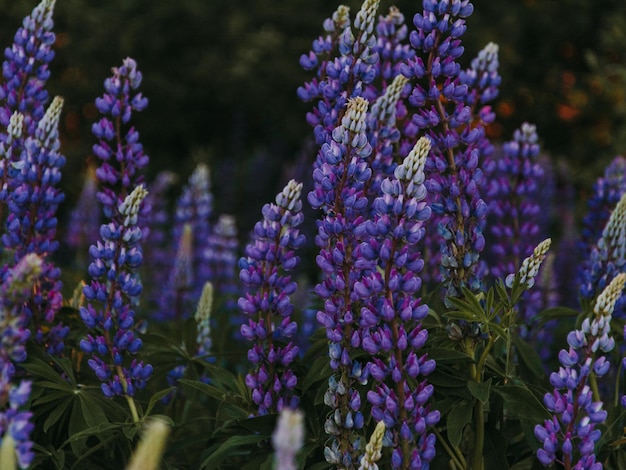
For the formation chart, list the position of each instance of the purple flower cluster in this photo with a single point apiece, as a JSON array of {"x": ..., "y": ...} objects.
[
  {"x": 25, "y": 68},
  {"x": 391, "y": 314},
  {"x": 453, "y": 172},
  {"x": 339, "y": 190},
  {"x": 118, "y": 145},
  {"x": 221, "y": 258},
  {"x": 513, "y": 204},
  {"x": 268, "y": 258},
  {"x": 191, "y": 233},
  {"x": 15, "y": 291},
  {"x": 31, "y": 222},
  {"x": 110, "y": 297},
  {"x": 569, "y": 437}
]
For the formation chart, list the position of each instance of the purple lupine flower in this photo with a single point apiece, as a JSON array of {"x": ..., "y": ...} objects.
[
  {"x": 25, "y": 68},
  {"x": 110, "y": 296},
  {"x": 84, "y": 224},
  {"x": 391, "y": 45},
  {"x": 31, "y": 222},
  {"x": 607, "y": 192},
  {"x": 513, "y": 205},
  {"x": 221, "y": 258},
  {"x": 15, "y": 291},
  {"x": 118, "y": 147},
  {"x": 454, "y": 176},
  {"x": 339, "y": 191},
  {"x": 11, "y": 149},
  {"x": 391, "y": 315},
  {"x": 193, "y": 209},
  {"x": 339, "y": 78},
  {"x": 267, "y": 305},
  {"x": 569, "y": 436},
  {"x": 174, "y": 299},
  {"x": 607, "y": 257}
]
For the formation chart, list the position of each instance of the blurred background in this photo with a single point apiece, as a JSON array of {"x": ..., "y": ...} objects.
[{"x": 221, "y": 77}]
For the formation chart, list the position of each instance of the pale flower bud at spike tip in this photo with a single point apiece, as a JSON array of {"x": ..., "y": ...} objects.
[
  {"x": 8, "y": 456},
  {"x": 16, "y": 125},
  {"x": 47, "y": 127},
  {"x": 366, "y": 16},
  {"x": 148, "y": 454},
  {"x": 384, "y": 109},
  {"x": 289, "y": 198},
  {"x": 614, "y": 234},
  {"x": 412, "y": 167},
  {"x": 354, "y": 120},
  {"x": 373, "y": 450},
  {"x": 611, "y": 293},
  {"x": 205, "y": 304},
  {"x": 130, "y": 207},
  {"x": 288, "y": 438},
  {"x": 530, "y": 266}
]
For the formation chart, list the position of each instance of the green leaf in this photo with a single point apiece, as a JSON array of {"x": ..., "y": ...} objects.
[
  {"x": 460, "y": 415},
  {"x": 557, "y": 313},
  {"x": 57, "y": 412},
  {"x": 519, "y": 402},
  {"x": 230, "y": 447},
  {"x": 441, "y": 355},
  {"x": 529, "y": 357},
  {"x": 494, "y": 451},
  {"x": 463, "y": 315},
  {"x": 92, "y": 413},
  {"x": 480, "y": 391},
  {"x": 319, "y": 370},
  {"x": 156, "y": 397}
]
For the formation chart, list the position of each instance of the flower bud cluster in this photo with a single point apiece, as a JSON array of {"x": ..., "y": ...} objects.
[
  {"x": 267, "y": 304},
  {"x": 110, "y": 296},
  {"x": 26, "y": 68},
  {"x": 118, "y": 147},
  {"x": 569, "y": 437},
  {"x": 391, "y": 315}
]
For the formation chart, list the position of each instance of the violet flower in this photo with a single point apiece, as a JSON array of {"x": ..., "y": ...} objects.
[
  {"x": 569, "y": 437},
  {"x": 269, "y": 257},
  {"x": 118, "y": 147},
  {"x": 25, "y": 68},
  {"x": 15, "y": 291},
  {"x": 31, "y": 222},
  {"x": 220, "y": 256},
  {"x": 193, "y": 209},
  {"x": 453, "y": 172},
  {"x": 110, "y": 297},
  {"x": 339, "y": 191},
  {"x": 391, "y": 315}
]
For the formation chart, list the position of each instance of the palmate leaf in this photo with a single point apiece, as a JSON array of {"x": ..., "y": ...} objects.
[
  {"x": 238, "y": 404},
  {"x": 521, "y": 403},
  {"x": 460, "y": 415}
]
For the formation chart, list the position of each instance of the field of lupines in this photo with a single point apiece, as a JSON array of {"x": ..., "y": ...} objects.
[{"x": 440, "y": 330}]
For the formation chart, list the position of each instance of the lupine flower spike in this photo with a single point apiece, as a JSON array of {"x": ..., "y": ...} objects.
[
  {"x": 391, "y": 314},
  {"x": 15, "y": 290},
  {"x": 110, "y": 296},
  {"x": 25, "y": 68},
  {"x": 267, "y": 305},
  {"x": 288, "y": 438},
  {"x": 570, "y": 435}
]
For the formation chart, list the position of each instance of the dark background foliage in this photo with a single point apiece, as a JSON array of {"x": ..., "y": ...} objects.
[{"x": 221, "y": 77}]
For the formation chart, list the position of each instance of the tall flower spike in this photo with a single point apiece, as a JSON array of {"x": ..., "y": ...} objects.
[
  {"x": 118, "y": 148},
  {"x": 269, "y": 257},
  {"x": 453, "y": 172},
  {"x": 31, "y": 222},
  {"x": 391, "y": 315},
  {"x": 194, "y": 208},
  {"x": 25, "y": 68},
  {"x": 15, "y": 291},
  {"x": 203, "y": 319},
  {"x": 288, "y": 438},
  {"x": 221, "y": 257},
  {"x": 569, "y": 437},
  {"x": 608, "y": 256},
  {"x": 340, "y": 182},
  {"x": 84, "y": 224},
  {"x": 110, "y": 296}
]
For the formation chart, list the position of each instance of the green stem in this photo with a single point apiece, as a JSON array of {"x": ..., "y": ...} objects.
[{"x": 456, "y": 457}]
